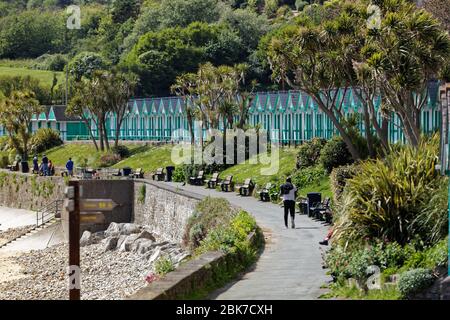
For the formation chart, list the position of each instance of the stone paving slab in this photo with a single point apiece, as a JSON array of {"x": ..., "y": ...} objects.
[
  {"x": 14, "y": 218},
  {"x": 291, "y": 264}
]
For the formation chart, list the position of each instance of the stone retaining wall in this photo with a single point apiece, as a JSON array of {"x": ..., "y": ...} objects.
[
  {"x": 165, "y": 209},
  {"x": 25, "y": 191}
]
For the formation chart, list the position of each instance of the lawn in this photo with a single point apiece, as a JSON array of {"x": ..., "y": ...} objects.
[
  {"x": 287, "y": 166},
  {"x": 240, "y": 172},
  {"x": 149, "y": 158},
  {"x": 80, "y": 153},
  {"x": 45, "y": 77}
]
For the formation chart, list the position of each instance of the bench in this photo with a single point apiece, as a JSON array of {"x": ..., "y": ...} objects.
[
  {"x": 14, "y": 166},
  {"x": 322, "y": 211},
  {"x": 158, "y": 175},
  {"x": 116, "y": 172},
  {"x": 139, "y": 174},
  {"x": 247, "y": 188},
  {"x": 227, "y": 184},
  {"x": 198, "y": 180},
  {"x": 264, "y": 193},
  {"x": 212, "y": 183}
]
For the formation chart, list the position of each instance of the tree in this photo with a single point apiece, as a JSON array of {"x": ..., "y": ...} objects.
[
  {"x": 404, "y": 55},
  {"x": 309, "y": 59},
  {"x": 118, "y": 88},
  {"x": 30, "y": 34},
  {"x": 17, "y": 111},
  {"x": 80, "y": 107},
  {"x": 85, "y": 64},
  {"x": 185, "y": 87}
]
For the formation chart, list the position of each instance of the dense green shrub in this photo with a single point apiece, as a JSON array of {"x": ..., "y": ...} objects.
[
  {"x": 108, "y": 160},
  {"x": 335, "y": 154},
  {"x": 309, "y": 153},
  {"x": 414, "y": 281},
  {"x": 339, "y": 177},
  {"x": 231, "y": 237},
  {"x": 308, "y": 176},
  {"x": 4, "y": 161},
  {"x": 164, "y": 265},
  {"x": 353, "y": 261},
  {"x": 121, "y": 150},
  {"x": 383, "y": 199},
  {"x": 209, "y": 213},
  {"x": 179, "y": 174},
  {"x": 52, "y": 62},
  {"x": 44, "y": 139},
  {"x": 429, "y": 258}
]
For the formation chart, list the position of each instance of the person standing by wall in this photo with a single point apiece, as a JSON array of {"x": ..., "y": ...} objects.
[
  {"x": 69, "y": 167},
  {"x": 288, "y": 192},
  {"x": 35, "y": 164},
  {"x": 45, "y": 165}
]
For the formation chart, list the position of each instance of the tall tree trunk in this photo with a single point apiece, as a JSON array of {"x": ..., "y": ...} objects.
[
  {"x": 88, "y": 126},
  {"x": 105, "y": 134},
  {"x": 368, "y": 132},
  {"x": 348, "y": 141}
]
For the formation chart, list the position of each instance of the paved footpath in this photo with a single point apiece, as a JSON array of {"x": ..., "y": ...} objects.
[{"x": 290, "y": 266}]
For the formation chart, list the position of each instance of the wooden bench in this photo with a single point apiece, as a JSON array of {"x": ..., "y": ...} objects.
[
  {"x": 198, "y": 180},
  {"x": 247, "y": 188},
  {"x": 139, "y": 174},
  {"x": 212, "y": 183},
  {"x": 14, "y": 166},
  {"x": 227, "y": 184},
  {"x": 264, "y": 193},
  {"x": 322, "y": 211},
  {"x": 158, "y": 175}
]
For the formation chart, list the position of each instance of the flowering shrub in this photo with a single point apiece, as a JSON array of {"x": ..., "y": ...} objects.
[{"x": 151, "y": 277}]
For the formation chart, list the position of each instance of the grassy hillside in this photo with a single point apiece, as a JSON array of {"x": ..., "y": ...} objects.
[
  {"x": 45, "y": 77},
  {"x": 149, "y": 158},
  {"x": 246, "y": 170}
]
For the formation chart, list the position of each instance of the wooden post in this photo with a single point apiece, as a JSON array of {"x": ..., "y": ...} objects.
[{"x": 74, "y": 237}]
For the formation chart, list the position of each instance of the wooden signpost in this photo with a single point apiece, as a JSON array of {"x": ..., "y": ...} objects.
[{"x": 81, "y": 211}]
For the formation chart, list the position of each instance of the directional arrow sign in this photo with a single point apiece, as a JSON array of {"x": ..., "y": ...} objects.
[
  {"x": 90, "y": 205},
  {"x": 97, "y": 217}
]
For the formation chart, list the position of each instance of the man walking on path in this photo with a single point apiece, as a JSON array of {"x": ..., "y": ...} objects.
[
  {"x": 69, "y": 167},
  {"x": 288, "y": 191}
]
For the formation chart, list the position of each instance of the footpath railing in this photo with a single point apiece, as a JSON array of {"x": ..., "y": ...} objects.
[{"x": 48, "y": 212}]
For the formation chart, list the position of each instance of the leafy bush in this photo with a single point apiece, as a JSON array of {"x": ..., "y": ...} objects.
[
  {"x": 339, "y": 177},
  {"x": 383, "y": 199},
  {"x": 300, "y": 4},
  {"x": 44, "y": 139},
  {"x": 121, "y": 150},
  {"x": 108, "y": 160},
  {"x": 353, "y": 261},
  {"x": 164, "y": 265},
  {"x": 335, "y": 154},
  {"x": 232, "y": 237},
  {"x": 308, "y": 176},
  {"x": 414, "y": 281},
  {"x": 4, "y": 161},
  {"x": 52, "y": 62},
  {"x": 309, "y": 153},
  {"x": 179, "y": 174},
  {"x": 429, "y": 258},
  {"x": 209, "y": 213}
]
